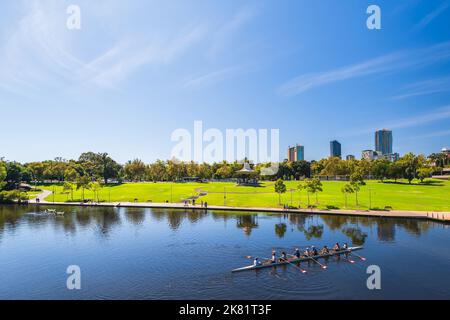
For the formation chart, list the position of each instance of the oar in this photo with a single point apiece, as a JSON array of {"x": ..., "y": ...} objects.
[
  {"x": 349, "y": 260},
  {"x": 323, "y": 266},
  {"x": 295, "y": 266},
  {"x": 362, "y": 258}
]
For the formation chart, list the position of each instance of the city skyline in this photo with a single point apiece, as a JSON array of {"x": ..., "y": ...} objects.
[{"x": 136, "y": 72}]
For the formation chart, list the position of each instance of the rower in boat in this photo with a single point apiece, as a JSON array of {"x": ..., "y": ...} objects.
[
  {"x": 314, "y": 251},
  {"x": 274, "y": 256},
  {"x": 283, "y": 257},
  {"x": 345, "y": 246},
  {"x": 325, "y": 250},
  {"x": 337, "y": 247},
  {"x": 257, "y": 262},
  {"x": 307, "y": 252},
  {"x": 297, "y": 253}
]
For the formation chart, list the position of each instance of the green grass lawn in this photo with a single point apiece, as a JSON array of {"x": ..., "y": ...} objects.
[{"x": 434, "y": 196}]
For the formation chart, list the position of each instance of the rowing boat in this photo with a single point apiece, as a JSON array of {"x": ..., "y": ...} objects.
[{"x": 267, "y": 265}]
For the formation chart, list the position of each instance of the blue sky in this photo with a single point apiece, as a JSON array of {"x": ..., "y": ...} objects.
[{"x": 137, "y": 70}]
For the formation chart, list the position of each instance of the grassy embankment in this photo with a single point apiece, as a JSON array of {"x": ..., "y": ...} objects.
[{"x": 433, "y": 196}]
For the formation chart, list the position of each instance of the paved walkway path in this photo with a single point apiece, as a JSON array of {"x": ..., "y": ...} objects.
[
  {"x": 41, "y": 196},
  {"x": 430, "y": 215}
]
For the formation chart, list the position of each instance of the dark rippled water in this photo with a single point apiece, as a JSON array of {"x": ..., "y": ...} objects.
[{"x": 167, "y": 254}]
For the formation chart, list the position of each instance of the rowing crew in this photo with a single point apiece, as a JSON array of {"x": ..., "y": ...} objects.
[{"x": 309, "y": 252}]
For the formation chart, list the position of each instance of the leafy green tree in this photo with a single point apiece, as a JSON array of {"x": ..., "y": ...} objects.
[
  {"x": 357, "y": 181},
  {"x": 82, "y": 183},
  {"x": 280, "y": 188},
  {"x": 68, "y": 188},
  {"x": 395, "y": 171},
  {"x": 95, "y": 187},
  {"x": 380, "y": 169},
  {"x": 410, "y": 164},
  {"x": 424, "y": 173},
  {"x": 347, "y": 189},
  {"x": 135, "y": 170},
  {"x": 3, "y": 174}
]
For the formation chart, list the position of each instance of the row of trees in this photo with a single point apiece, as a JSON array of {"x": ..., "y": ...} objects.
[
  {"x": 101, "y": 167},
  {"x": 408, "y": 167}
]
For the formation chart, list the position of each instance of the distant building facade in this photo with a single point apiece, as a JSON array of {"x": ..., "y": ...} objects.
[
  {"x": 296, "y": 153},
  {"x": 369, "y": 155},
  {"x": 350, "y": 157},
  {"x": 335, "y": 149},
  {"x": 383, "y": 141}
]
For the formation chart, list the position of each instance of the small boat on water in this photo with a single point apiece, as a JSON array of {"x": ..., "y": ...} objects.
[
  {"x": 50, "y": 211},
  {"x": 269, "y": 264}
]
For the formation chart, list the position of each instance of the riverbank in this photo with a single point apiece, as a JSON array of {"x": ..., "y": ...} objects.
[
  {"x": 430, "y": 196},
  {"x": 423, "y": 215}
]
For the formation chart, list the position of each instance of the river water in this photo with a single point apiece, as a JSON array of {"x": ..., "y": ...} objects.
[{"x": 175, "y": 254}]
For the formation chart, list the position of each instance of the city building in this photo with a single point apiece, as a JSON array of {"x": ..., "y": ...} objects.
[
  {"x": 383, "y": 141},
  {"x": 296, "y": 153},
  {"x": 350, "y": 157},
  {"x": 335, "y": 149},
  {"x": 369, "y": 155},
  {"x": 391, "y": 157}
]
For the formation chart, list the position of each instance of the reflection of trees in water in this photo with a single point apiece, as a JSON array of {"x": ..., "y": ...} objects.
[
  {"x": 158, "y": 214},
  {"x": 313, "y": 231},
  {"x": 335, "y": 222},
  {"x": 83, "y": 216},
  {"x": 356, "y": 234},
  {"x": 106, "y": 219},
  {"x": 222, "y": 215},
  {"x": 195, "y": 215},
  {"x": 247, "y": 222},
  {"x": 280, "y": 229},
  {"x": 135, "y": 215},
  {"x": 175, "y": 218},
  {"x": 298, "y": 220}
]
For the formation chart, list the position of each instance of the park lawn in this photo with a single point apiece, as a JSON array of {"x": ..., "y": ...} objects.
[{"x": 434, "y": 196}]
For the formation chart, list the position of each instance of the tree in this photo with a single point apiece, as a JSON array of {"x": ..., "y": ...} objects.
[
  {"x": 135, "y": 170},
  {"x": 224, "y": 172},
  {"x": 68, "y": 187},
  {"x": 395, "y": 171},
  {"x": 356, "y": 181},
  {"x": 380, "y": 169},
  {"x": 3, "y": 174},
  {"x": 95, "y": 187},
  {"x": 424, "y": 173},
  {"x": 347, "y": 189},
  {"x": 410, "y": 164},
  {"x": 14, "y": 174},
  {"x": 99, "y": 165},
  {"x": 82, "y": 183},
  {"x": 280, "y": 188},
  {"x": 313, "y": 186}
]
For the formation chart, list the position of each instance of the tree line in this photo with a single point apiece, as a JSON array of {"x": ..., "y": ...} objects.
[{"x": 101, "y": 168}]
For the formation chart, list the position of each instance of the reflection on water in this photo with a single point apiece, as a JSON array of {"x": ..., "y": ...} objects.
[
  {"x": 104, "y": 219},
  {"x": 133, "y": 248}
]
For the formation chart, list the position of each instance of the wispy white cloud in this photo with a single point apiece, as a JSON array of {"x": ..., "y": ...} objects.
[
  {"x": 435, "y": 134},
  {"x": 431, "y": 86},
  {"x": 436, "y": 115},
  {"x": 213, "y": 77},
  {"x": 384, "y": 64},
  {"x": 422, "y": 119},
  {"x": 37, "y": 52},
  {"x": 432, "y": 15}
]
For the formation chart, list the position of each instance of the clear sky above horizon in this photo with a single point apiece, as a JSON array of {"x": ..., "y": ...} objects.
[{"x": 138, "y": 70}]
